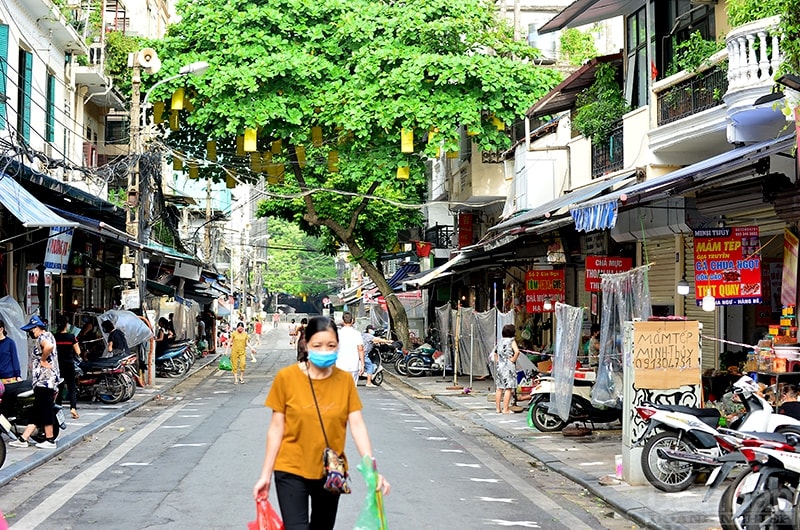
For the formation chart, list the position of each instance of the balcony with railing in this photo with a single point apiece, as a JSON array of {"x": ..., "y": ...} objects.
[
  {"x": 693, "y": 95},
  {"x": 56, "y": 24},
  {"x": 608, "y": 156},
  {"x": 754, "y": 54},
  {"x": 440, "y": 235}
]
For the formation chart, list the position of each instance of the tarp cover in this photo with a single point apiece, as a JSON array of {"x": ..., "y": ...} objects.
[
  {"x": 13, "y": 317},
  {"x": 136, "y": 331},
  {"x": 626, "y": 296},
  {"x": 565, "y": 354}
]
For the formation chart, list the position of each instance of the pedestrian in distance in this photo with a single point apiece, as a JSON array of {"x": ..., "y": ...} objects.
[
  {"x": 302, "y": 350},
  {"x": 351, "y": 348},
  {"x": 505, "y": 357},
  {"x": 202, "y": 343},
  {"x": 46, "y": 377},
  {"x": 295, "y": 439},
  {"x": 292, "y": 333},
  {"x": 237, "y": 349},
  {"x": 368, "y": 338},
  {"x": 275, "y": 319},
  {"x": 68, "y": 353},
  {"x": 164, "y": 336}
]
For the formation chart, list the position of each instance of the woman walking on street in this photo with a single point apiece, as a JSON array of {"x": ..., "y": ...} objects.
[
  {"x": 295, "y": 439},
  {"x": 505, "y": 374},
  {"x": 237, "y": 349},
  {"x": 45, "y": 383},
  {"x": 68, "y": 353}
]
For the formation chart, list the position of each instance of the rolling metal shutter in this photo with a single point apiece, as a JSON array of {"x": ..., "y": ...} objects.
[{"x": 660, "y": 251}]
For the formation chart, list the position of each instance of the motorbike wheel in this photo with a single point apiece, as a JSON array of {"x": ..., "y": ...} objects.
[
  {"x": 400, "y": 366},
  {"x": 2, "y": 451},
  {"x": 130, "y": 385},
  {"x": 112, "y": 389},
  {"x": 771, "y": 510},
  {"x": 543, "y": 420},
  {"x": 377, "y": 379},
  {"x": 415, "y": 367},
  {"x": 667, "y": 475},
  {"x": 730, "y": 501}
]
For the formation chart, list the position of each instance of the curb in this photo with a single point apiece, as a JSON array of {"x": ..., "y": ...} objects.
[{"x": 632, "y": 510}]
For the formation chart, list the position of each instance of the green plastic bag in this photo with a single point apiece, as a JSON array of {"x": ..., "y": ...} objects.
[
  {"x": 372, "y": 516},
  {"x": 225, "y": 363}
]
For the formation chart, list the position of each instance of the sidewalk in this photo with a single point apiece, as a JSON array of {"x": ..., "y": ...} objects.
[{"x": 584, "y": 460}]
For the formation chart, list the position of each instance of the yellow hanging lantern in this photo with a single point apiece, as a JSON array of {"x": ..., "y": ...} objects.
[
  {"x": 431, "y": 136},
  {"x": 333, "y": 161},
  {"x": 403, "y": 172},
  {"x": 158, "y": 112},
  {"x": 177, "y": 99},
  {"x": 301, "y": 155},
  {"x": 452, "y": 154},
  {"x": 277, "y": 146},
  {"x": 240, "y": 146},
  {"x": 499, "y": 125},
  {"x": 316, "y": 136},
  {"x": 187, "y": 104},
  {"x": 177, "y": 164},
  {"x": 471, "y": 132},
  {"x": 250, "y": 140},
  {"x": 266, "y": 159},
  {"x": 211, "y": 150},
  {"x": 194, "y": 169},
  {"x": 230, "y": 182},
  {"x": 255, "y": 162},
  {"x": 174, "y": 120},
  {"x": 407, "y": 140}
]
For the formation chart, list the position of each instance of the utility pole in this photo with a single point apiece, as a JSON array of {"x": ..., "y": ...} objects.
[{"x": 207, "y": 241}]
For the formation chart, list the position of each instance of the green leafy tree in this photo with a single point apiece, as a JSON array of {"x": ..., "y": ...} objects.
[
  {"x": 790, "y": 33},
  {"x": 296, "y": 263},
  {"x": 360, "y": 71},
  {"x": 600, "y": 106},
  {"x": 577, "y": 46}
]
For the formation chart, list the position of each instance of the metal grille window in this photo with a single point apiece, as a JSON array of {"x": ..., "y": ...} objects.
[{"x": 607, "y": 156}]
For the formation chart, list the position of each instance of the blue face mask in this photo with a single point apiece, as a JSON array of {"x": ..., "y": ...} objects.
[{"x": 323, "y": 359}]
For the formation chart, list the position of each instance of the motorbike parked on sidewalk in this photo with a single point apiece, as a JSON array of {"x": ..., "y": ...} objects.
[
  {"x": 681, "y": 432},
  {"x": 105, "y": 379},
  {"x": 581, "y": 407},
  {"x": 175, "y": 360},
  {"x": 17, "y": 411},
  {"x": 424, "y": 360}
]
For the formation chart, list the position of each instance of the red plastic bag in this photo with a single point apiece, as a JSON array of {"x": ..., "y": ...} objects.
[{"x": 266, "y": 517}]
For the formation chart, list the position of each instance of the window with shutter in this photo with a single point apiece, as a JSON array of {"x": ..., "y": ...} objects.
[
  {"x": 3, "y": 74},
  {"x": 25, "y": 87},
  {"x": 50, "y": 126}
]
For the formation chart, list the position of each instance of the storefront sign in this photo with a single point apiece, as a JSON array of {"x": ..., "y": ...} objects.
[
  {"x": 465, "y": 230},
  {"x": 541, "y": 285},
  {"x": 56, "y": 257},
  {"x": 666, "y": 354},
  {"x": 597, "y": 265},
  {"x": 130, "y": 299},
  {"x": 727, "y": 262},
  {"x": 789, "y": 275}
]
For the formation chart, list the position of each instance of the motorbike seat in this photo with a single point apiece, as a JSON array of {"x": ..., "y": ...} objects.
[
  {"x": 770, "y": 436},
  {"x": 170, "y": 354},
  {"x": 103, "y": 363},
  {"x": 709, "y": 416},
  {"x": 581, "y": 382}
]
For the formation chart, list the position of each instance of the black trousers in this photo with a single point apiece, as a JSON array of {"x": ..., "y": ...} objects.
[
  {"x": 67, "y": 368},
  {"x": 293, "y": 494}
]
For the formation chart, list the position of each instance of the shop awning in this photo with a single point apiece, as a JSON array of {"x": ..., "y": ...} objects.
[
  {"x": 402, "y": 273},
  {"x": 546, "y": 210},
  {"x": 31, "y": 212},
  {"x": 563, "y": 96},
  {"x": 584, "y": 12},
  {"x": 434, "y": 274},
  {"x": 600, "y": 213}
]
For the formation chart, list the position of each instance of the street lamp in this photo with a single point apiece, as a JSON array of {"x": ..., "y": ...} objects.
[{"x": 197, "y": 68}]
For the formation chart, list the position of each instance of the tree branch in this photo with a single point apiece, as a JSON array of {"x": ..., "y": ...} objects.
[
  {"x": 311, "y": 212},
  {"x": 360, "y": 208}
]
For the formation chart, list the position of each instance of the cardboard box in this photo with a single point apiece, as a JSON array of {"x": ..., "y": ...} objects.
[{"x": 545, "y": 366}]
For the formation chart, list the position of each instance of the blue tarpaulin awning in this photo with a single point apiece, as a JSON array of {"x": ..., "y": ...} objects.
[
  {"x": 405, "y": 270},
  {"x": 27, "y": 208}
]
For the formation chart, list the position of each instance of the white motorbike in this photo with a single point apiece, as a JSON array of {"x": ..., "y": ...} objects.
[{"x": 684, "y": 442}]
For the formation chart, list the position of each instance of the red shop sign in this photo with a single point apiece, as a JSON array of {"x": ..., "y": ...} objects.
[
  {"x": 541, "y": 285},
  {"x": 597, "y": 265},
  {"x": 727, "y": 261}
]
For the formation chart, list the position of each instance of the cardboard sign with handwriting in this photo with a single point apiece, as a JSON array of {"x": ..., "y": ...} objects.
[{"x": 666, "y": 354}]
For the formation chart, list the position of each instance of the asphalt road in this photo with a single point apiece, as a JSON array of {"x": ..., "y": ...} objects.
[{"x": 189, "y": 460}]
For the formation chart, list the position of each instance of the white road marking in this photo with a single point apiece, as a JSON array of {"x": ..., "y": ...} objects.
[
  {"x": 202, "y": 444},
  {"x": 175, "y": 426},
  {"x": 523, "y": 524},
  {"x": 420, "y": 428},
  {"x": 489, "y": 480},
  {"x": 221, "y": 392},
  {"x": 190, "y": 416},
  {"x": 495, "y": 499},
  {"x": 128, "y": 464},
  {"x": 413, "y": 421},
  {"x": 51, "y": 503},
  {"x": 451, "y": 450},
  {"x": 461, "y": 464},
  {"x": 436, "y": 438}
]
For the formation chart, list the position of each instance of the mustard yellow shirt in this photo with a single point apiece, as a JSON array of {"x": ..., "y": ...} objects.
[
  {"x": 238, "y": 342},
  {"x": 302, "y": 445}
]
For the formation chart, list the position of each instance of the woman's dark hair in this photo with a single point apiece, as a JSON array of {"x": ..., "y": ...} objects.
[
  {"x": 163, "y": 322},
  {"x": 594, "y": 329},
  {"x": 317, "y": 324},
  {"x": 107, "y": 326},
  {"x": 62, "y": 322},
  {"x": 240, "y": 325},
  {"x": 304, "y": 321},
  {"x": 509, "y": 330},
  {"x": 3, "y": 325}
]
